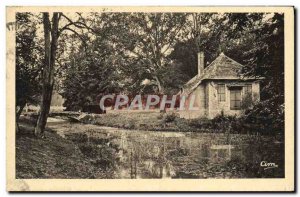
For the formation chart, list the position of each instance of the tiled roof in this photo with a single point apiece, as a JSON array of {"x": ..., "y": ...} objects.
[{"x": 222, "y": 67}]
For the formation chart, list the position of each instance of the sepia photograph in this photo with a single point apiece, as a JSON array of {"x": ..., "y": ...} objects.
[{"x": 155, "y": 94}]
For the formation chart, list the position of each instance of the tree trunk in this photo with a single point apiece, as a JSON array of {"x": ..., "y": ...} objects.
[
  {"x": 197, "y": 30},
  {"x": 51, "y": 36},
  {"x": 159, "y": 86},
  {"x": 18, "y": 114}
]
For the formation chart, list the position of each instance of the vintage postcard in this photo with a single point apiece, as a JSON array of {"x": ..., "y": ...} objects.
[{"x": 150, "y": 99}]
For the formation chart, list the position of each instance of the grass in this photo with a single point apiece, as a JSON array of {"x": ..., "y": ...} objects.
[
  {"x": 149, "y": 121},
  {"x": 52, "y": 157},
  {"x": 155, "y": 121},
  {"x": 141, "y": 120},
  {"x": 170, "y": 121}
]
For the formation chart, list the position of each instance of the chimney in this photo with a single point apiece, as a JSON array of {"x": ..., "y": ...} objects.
[{"x": 200, "y": 62}]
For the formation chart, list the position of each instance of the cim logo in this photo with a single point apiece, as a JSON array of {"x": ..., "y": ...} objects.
[{"x": 268, "y": 165}]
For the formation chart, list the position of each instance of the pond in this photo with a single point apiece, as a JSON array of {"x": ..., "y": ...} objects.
[{"x": 150, "y": 154}]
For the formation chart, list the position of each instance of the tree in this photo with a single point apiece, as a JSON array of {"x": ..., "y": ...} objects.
[
  {"x": 28, "y": 62},
  {"x": 91, "y": 71},
  {"x": 215, "y": 33},
  {"x": 266, "y": 59},
  {"x": 50, "y": 47},
  {"x": 147, "y": 39},
  {"x": 52, "y": 32},
  {"x": 206, "y": 34}
]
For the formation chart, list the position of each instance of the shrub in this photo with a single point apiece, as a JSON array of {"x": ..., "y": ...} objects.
[
  {"x": 247, "y": 102},
  {"x": 201, "y": 123},
  {"x": 224, "y": 123},
  {"x": 160, "y": 116},
  {"x": 169, "y": 117}
]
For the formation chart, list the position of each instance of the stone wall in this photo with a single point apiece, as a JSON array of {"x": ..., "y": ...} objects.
[
  {"x": 216, "y": 108},
  {"x": 206, "y": 98},
  {"x": 200, "y": 102}
]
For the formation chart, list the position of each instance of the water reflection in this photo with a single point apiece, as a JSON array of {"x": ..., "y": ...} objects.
[{"x": 143, "y": 154}]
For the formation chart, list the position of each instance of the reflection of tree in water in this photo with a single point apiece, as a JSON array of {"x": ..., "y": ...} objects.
[
  {"x": 130, "y": 154},
  {"x": 163, "y": 155},
  {"x": 148, "y": 159},
  {"x": 100, "y": 150},
  {"x": 173, "y": 157}
]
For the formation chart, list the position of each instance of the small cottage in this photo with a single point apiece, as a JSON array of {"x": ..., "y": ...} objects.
[{"x": 219, "y": 88}]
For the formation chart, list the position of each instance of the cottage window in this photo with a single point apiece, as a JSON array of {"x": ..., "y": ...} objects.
[
  {"x": 235, "y": 99},
  {"x": 221, "y": 92},
  {"x": 248, "y": 89}
]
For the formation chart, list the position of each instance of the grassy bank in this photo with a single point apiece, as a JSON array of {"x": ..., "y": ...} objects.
[
  {"x": 152, "y": 121},
  {"x": 53, "y": 157},
  {"x": 155, "y": 121}
]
